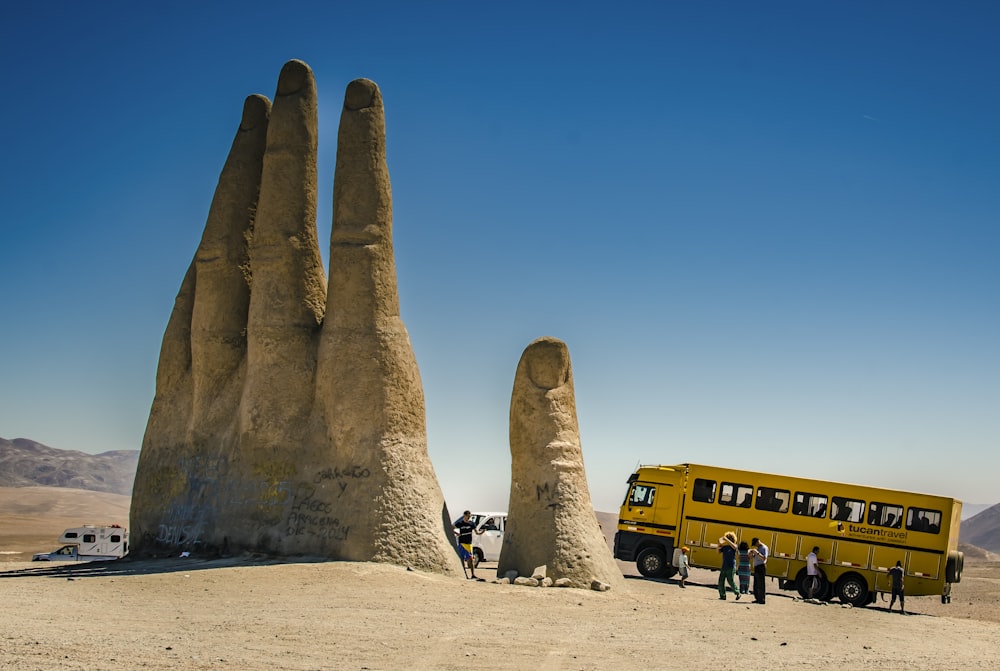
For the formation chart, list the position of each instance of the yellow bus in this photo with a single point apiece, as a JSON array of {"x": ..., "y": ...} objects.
[{"x": 861, "y": 531}]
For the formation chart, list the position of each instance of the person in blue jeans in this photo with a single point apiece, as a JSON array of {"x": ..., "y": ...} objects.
[{"x": 728, "y": 548}]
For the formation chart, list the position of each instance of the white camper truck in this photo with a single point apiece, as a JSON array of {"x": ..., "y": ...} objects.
[{"x": 88, "y": 543}]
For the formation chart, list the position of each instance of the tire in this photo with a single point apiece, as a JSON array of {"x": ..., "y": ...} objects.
[
  {"x": 852, "y": 589},
  {"x": 953, "y": 569},
  {"x": 802, "y": 585},
  {"x": 652, "y": 563},
  {"x": 477, "y": 556}
]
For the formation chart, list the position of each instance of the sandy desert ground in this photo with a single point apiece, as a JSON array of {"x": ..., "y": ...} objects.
[{"x": 256, "y": 614}]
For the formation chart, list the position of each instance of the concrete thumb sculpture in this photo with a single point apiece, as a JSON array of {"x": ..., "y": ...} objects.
[
  {"x": 551, "y": 519},
  {"x": 289, "y": 416}
]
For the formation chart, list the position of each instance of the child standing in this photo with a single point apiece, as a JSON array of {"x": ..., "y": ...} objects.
[
  {"x": 743, "y": 567},
  {"x": 682, "y": 565}
]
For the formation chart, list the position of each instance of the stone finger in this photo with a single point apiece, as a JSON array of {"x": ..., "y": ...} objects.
[
  {"x": 551, "y": 520},
  {"x": 222, "y": 263},
  {"x": 288, "y": 286},
  {"x": 368, "y": 381},
  {"x": 202, "y": 349},
  {"x": 364, "y": 338}
]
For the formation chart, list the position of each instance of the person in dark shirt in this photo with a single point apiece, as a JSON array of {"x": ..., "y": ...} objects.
[
  {"x": 896, "y": 574},
  {"x": 466, "y": 528},
  {"x": 758, "y": 556},
  {"x": 728, "y": 548}
]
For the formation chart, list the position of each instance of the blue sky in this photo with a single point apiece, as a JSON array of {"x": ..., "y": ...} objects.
[{"x": 767, "y": 231}]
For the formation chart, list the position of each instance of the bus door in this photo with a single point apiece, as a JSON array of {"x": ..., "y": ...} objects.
[
  {"x": 694, "y": 533},
  {"x": 653, "y": 507},
  {"x": 700, "y": 532},
  {"x": 704, "y": 551},
  {"x": 923, "y": 528}
]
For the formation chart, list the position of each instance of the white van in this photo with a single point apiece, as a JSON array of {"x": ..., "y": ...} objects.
[{"x": 486, "y": 546}]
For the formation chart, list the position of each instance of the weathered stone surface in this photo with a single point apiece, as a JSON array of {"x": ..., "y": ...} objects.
[
  {"x": 289, "y": 416},
  {"x": 551, "y": 518}
]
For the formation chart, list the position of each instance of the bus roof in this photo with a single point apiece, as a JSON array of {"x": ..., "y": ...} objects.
[{"x": 697, "y": 467}]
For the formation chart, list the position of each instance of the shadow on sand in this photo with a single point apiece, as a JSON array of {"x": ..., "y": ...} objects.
[{"x": 127, "y": 566}]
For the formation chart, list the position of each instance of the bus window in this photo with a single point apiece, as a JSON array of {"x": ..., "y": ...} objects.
[
  {"x": 847, "y": 510},
  {"x": 811, "y": 505},
  {"x": 704, "y": 490},
  {"x": 736, "y": 495},
  {"x": 922, "y": 519},
  {"x": 775, "y": 500},
  {"x": 642, "y": 495},
  {"x": 885, "y": 514}
]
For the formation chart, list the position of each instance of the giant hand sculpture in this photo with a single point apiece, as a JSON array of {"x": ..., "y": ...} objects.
[{"x": 289, "y": 417}]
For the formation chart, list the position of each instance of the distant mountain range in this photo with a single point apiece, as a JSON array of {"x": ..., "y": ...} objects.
[
  {"x": 25, "y": 463},
  {"x": 983, "y": 530},
  {"x": 973, "y": 509}
]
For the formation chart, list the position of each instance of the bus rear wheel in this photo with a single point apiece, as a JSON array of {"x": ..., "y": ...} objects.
[
  {"x": 652, "y": 563},
  {"x": 852, "y": 589}
]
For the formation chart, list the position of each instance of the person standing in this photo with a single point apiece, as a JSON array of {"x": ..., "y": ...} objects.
[
  {"x": 743, "y": 567},
  {"x": 812, "y": 573},
  {"x": 682, "y": 565},
  {"x": 465, "y": 528},
  {"x": 896, "y": 575},
  {"x": 728, "y": 548},
  {"x": 758, "y": 555}
]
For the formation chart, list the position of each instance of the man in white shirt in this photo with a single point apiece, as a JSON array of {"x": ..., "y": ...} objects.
[{"x": 812, "y": 571}]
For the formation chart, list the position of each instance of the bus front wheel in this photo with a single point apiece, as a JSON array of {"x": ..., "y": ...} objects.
[
  {"x": 852, "y": 589},
  {"x": 652, "y": 563}
]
